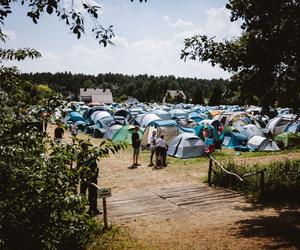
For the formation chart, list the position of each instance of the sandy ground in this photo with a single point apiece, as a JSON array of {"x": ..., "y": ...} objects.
[{"x": 246, "y": 226}]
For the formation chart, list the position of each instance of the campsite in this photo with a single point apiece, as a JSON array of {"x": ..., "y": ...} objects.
[
  {"x": 149, "y": 224},
  {"x": 149, "y": 125}
]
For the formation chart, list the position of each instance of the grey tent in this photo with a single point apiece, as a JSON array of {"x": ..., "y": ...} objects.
[
  {"x": 186, "y": 145},
  {"x": 260, "y": 143}
]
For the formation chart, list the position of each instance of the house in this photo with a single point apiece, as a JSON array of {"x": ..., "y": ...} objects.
[
  {"x": 95, "y": 95},
  {"x": 174, "y": 95}
]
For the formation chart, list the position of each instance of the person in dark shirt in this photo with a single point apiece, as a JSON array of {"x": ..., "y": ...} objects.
[
  {"x": 136, "y": 143},
  {"x": 58, "y": 133},
  {"x": 87, "y": 178}
]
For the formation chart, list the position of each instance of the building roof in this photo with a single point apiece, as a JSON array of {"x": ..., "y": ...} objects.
[{"x": 96, "y": 95}]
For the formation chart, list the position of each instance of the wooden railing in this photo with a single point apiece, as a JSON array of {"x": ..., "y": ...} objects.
[{"x": 214, "y": 162}]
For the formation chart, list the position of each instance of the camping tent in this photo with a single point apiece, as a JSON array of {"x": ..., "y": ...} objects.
[
  {"x": 294, "y": 127},
  {"x": 111, "y": 131},
  {"x": 175, "y": 113},
  {"x": 146, "y": 119},
  {"x": 232, "y": 138},
  {"x": 287, "y": 140},
  {"x": 186, "y": 145},
  {"x": 260, "y": 143},
  {"x": 74, "y": 117},
  {"x": 195, "y": 116},
  {"x": 162, "y": 114},
  {"x": 250, "y": 130},
  {"x": 278, "y": 124},
  {"x": 98, "y": 115},
  {"x": 167, "y": 128},
  {"x": 124, "y": 134}
]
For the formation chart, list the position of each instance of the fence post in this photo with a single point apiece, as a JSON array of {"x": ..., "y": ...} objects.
[
  {"x": 105, "y": 213},
  {"x": 209, "y": 172},
  {"x": 262, "y": 182}
]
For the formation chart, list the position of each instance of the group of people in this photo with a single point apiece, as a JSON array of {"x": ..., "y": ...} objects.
[
  {"x": 59, "y": 132},
  {"x": 158, "y": 148}
]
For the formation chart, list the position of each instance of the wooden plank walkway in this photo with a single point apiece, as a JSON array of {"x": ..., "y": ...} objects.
[{"x": 170, "y": 202}]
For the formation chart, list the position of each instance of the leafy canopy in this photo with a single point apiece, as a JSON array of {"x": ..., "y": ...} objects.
[{"x": 264, "y": 60}]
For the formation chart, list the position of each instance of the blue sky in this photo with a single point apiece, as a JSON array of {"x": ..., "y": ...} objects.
[{"x": 149, "y": 38}]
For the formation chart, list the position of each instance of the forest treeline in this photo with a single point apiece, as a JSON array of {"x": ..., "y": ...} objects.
[{"x": 143, "y": 87}]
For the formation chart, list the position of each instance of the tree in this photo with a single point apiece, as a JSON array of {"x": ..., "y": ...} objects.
[
  {"x": 216, "y": 96},
  {"x": 169, "y": 98},
  {"x": 198, "y": 97},
  {"x": 264, "y": 60},
  {"x": 39, "y": 204},
  {"x": 88, "y": 84}
]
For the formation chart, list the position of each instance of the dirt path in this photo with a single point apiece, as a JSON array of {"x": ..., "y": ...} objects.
[
  {"x": 238, "y": 226},
  {"x": 232, "y": 225}
]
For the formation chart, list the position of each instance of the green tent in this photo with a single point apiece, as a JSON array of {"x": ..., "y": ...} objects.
[
  {"x": 124, "y": 134},
  {"x": 287, "y": 140}
]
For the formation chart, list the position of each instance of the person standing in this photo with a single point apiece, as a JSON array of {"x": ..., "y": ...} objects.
[
  {"x": 153, "y": 139},
  {"x": 161, "y": 152},
  {"x": 58, "y": 133},
  {"x": 74, "y": 131},
  {"x": 88, "y": 178},
  {"x": 136, "y": 143}
]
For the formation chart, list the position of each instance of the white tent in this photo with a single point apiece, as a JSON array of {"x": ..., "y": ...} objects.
[
  {"x": 260, "y": 143},
  {"x": 250, "y": 130},
  {"x": 147, "y": 119},
  {"x": 278, "y": 124},
  {"x": 186, "y": 145},
  {"x": 167, "y": 128},
  {"x": 98, "y": 115}
]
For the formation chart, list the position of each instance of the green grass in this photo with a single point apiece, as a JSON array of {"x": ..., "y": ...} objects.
[
  {"x": 116, "y": 238},
  {"x": 224, "y": 154}
]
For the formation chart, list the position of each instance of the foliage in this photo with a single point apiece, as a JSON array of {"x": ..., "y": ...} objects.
[
  {"x": 282, "y": 180},
  {"x": 72, "y": 17},
  {"x": 216, "y": 95},
  {"x": 39, "y": 204},
  {"x": 19, "y": 54},
  {"x": 264, "y": 60},
  {"x": 143, "y": 87}
]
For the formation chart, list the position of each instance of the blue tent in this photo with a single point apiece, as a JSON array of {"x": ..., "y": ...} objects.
[
  {"x": 74, "y": 117},
  {"x": 231, "y": 138},
  {"x": 195, "y": 116},
  {"x": 293, "y": 128}
]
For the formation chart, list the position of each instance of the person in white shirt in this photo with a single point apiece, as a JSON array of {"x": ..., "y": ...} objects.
[
  {"x": 152, "y": 142},
  {"x": 74, "y": 131},
  {"x": 161, "y": 152}
]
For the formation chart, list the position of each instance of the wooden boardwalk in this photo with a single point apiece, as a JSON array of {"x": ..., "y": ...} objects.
[{"x": 170, "y": 202}]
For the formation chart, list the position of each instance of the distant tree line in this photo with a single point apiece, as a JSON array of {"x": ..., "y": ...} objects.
[{"x": 143, "y": 87}]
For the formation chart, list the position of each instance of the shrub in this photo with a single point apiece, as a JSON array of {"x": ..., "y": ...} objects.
[
  {"x": 39, "y": 204},
  {"x": 281, "y": 182}
]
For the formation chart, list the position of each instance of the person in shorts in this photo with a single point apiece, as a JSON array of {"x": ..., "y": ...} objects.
[
  {"x": 74, "y": 131},
  {"x": 136, "y": 143},
  {"x": 58, "y": 133},
  {"x": 152, "y": 142}
]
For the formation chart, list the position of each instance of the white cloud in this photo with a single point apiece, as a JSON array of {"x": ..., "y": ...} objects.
[
  {"x": 179, "y": 23},
  {"x": 48, "y": 55},
  {"x": 11, "y": 34},
  {"x": 218, "y": 24},
  {"x": 157, "y": 56}
]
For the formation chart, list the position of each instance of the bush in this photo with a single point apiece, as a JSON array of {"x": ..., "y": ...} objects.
[
  {"x": 281, "y": 182},
  {"x": 39, "y": 204}
]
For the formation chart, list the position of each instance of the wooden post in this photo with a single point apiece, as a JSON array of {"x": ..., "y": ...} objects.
[
  {"x": 104, "y": 213},
  {"x": 209, "y": 172},
  {"x": 262, "y": 182}
]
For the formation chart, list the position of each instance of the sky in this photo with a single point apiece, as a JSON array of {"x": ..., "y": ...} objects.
[{"x": 149, "y": 38}]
